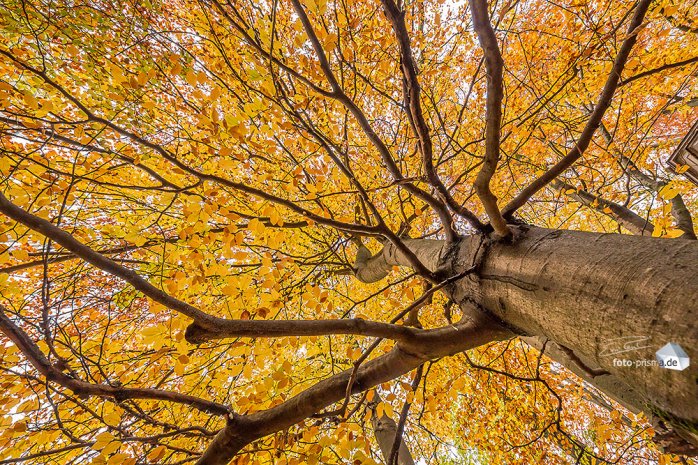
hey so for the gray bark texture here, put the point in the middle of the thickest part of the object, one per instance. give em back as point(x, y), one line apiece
point(384, 430)
point(579, 291)
point(582, 292)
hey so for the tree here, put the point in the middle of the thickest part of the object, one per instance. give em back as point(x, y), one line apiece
point(325, 232)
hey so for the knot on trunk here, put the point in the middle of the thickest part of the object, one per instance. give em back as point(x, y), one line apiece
point(196, 334)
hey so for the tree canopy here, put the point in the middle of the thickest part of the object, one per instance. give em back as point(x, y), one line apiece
point(195, 195)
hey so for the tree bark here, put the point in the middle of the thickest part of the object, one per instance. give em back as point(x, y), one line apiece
point(241, 430)
point(384, 430)
point(583, 291)
point(374, 268)
point(623, 215)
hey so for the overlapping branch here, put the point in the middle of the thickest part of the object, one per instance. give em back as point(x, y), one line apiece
point(414, 347)
point(373, 137)
point(67, 256)
point(39, 361)
point(603, 103)
point(658, 69)
point(165, 154)
point(241, 430)
point(413, 108)
point(682, 217)
point(623, 215)
point(494, 64)
point(205, 326)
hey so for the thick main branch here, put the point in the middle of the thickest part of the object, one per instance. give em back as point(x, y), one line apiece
point(371, 268)
point(242, 430)
point(494, 64)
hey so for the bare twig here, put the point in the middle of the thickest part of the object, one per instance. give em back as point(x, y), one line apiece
point(37, 359)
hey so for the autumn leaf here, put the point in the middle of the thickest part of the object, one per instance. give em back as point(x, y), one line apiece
point(260, 232)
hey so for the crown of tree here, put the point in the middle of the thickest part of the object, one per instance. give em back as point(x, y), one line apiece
point(366, 231)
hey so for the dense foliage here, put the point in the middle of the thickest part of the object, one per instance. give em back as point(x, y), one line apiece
point(205, 146)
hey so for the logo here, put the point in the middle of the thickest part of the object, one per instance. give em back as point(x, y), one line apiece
point(673, 357)
point(620, 345)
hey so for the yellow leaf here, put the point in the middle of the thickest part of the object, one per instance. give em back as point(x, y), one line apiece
point(673, 233)
point(191, 78)
point(20, 254)
point(136, 238)
point(112, 418)
point(20, 426)
point(72, 50)
point(117, 459)
point(230, 290)
point(256, 226)
point(157, 453)
point(111, 447)
point(31, 101)
point(179, 368)
point(238, 131)
point(668, 192)
point(102, 440)
point(388, 408)
point(670, 10)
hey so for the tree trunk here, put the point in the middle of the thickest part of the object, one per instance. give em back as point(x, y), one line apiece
point(583, 291)
point(384, 430)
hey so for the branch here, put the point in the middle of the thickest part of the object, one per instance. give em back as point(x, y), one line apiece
point(37, 359)
point(410, 311)
point(604, 102)
point(415, 115)
point(410, 353)
point(242, 430)
point(376, 141)
point(151, 243)
point(398, 444)
point(681, 214)
point(205, 326)
point(51, 134)
point(606, 383)
point(623, 215)
point(370, 269)
point(272, 328)
point(280, 328)
point(267, 55)
point(493, 120)
point(242, 187)
point(385, 430)
point(98, 260)
point(658, 69)
point(682, 218)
